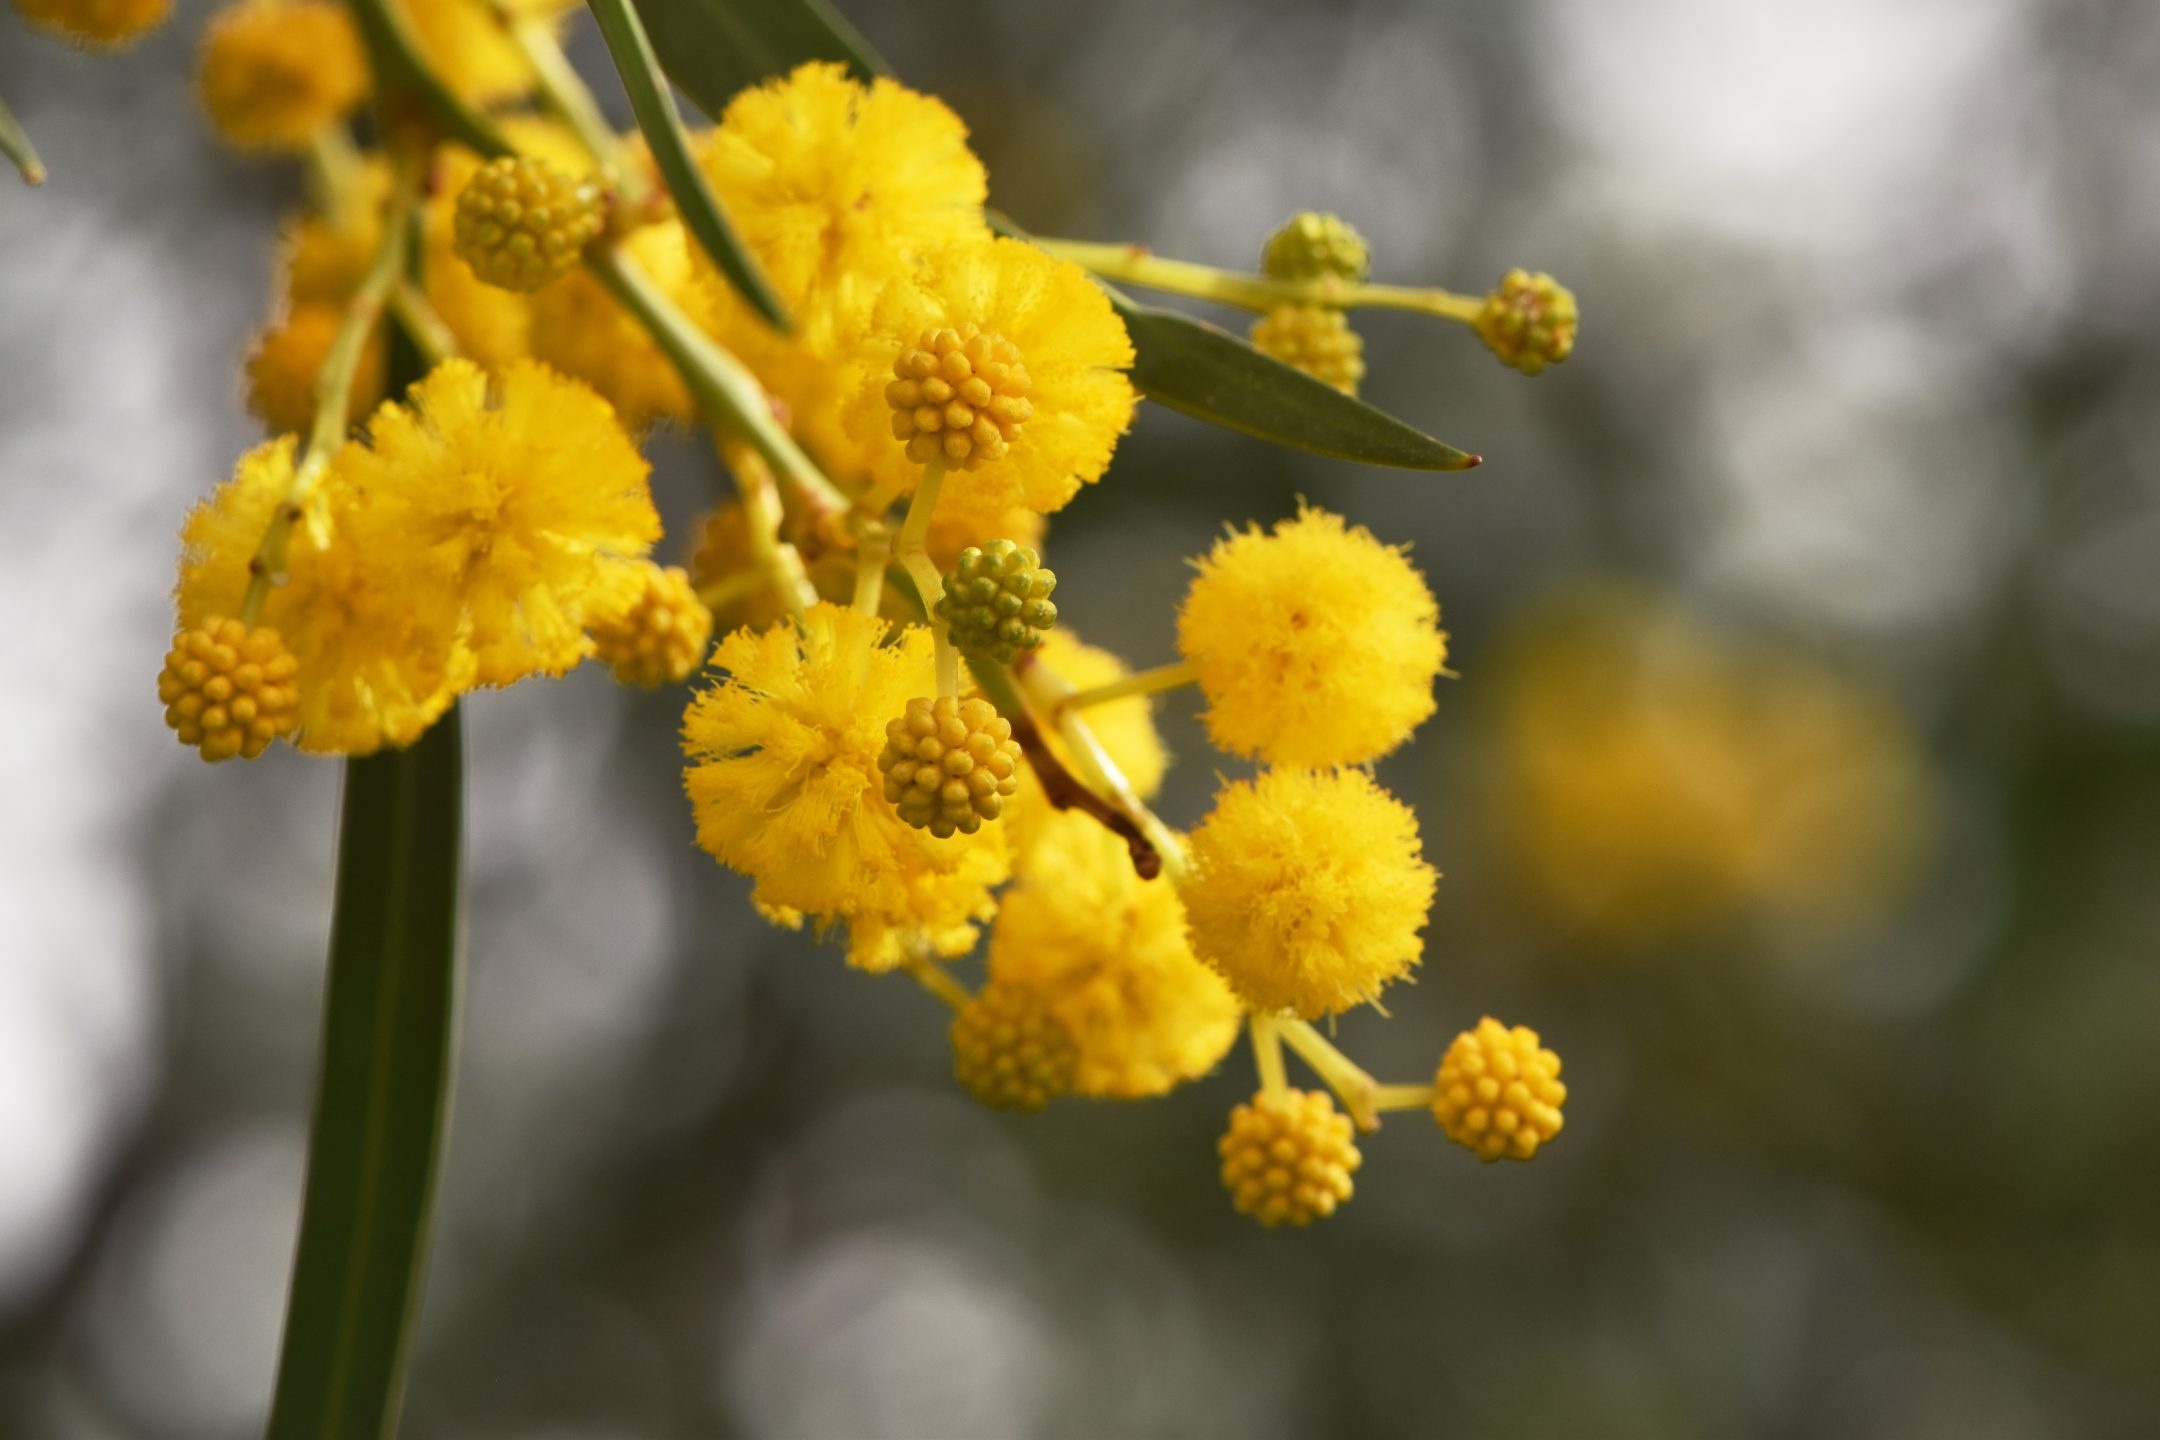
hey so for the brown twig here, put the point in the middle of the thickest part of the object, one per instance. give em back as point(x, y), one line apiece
point(1067, 793)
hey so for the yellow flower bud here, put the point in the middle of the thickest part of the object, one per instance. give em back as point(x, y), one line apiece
point(521, 223)
point(1009, 1050)
point(229, 690)
point(1311, 245)
point(1499, 1091)
point(949, 764)
point(1316, 339)
point(661, 639)
point(959, 396)
point(1288, 1156)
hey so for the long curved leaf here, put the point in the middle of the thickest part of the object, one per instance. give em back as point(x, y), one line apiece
point(388, 1022)
point(404, 82)
point(713, 48)
point(1210, 374)
point(654, 107)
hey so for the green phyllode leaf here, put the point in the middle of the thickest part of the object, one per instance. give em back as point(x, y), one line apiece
point(654, 106)
point(715, 48)
point(389, 1019)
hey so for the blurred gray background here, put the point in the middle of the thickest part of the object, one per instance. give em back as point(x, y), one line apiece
point(1865, 375)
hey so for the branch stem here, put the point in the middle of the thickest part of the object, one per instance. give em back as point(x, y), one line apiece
point(1344, 1076)
point(1136, 265)
point(1144, 682)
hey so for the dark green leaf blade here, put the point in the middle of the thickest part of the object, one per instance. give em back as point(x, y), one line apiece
point(714, 48)
point(388, 1022)
point(654, 107)
point(1195, 368)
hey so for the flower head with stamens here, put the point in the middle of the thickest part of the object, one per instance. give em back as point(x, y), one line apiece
point(275, 73)
point(1001, 361)
point(783, 776)
point(1308, 890)
point(525, 498)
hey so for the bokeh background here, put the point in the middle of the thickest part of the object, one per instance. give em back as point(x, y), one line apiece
point(1801, 785)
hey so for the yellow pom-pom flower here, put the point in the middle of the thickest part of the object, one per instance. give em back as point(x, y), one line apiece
point(1316, 339)
point(522, 223)
point(1312, 245)
point(1288, 1156)
point(661, 638)
point(282, 367)
point(276, 73)
point(1308, 890)
point(1108, 954)
point(1010, 1051)
point(228, 690)
point(581, 330)
point(1031, 443)
point(1529, 321)
point(829, 180)
point(375, 668)
point(525, 500)
point(949, 764)
point(1315, 645)
point(1499, 1091)
point(783, 776)
point(470, 49)
point(105, 23)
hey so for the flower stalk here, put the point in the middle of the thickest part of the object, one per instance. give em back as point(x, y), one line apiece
point(1137, 265)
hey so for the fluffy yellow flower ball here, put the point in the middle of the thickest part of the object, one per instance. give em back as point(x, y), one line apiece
point(373, 668)
point(104, 23)
point(783, 777)
point(1055, 322)
point(1108, 953)
point(1315, 645)
point(829, 180)
point(1499, 1091)
point(1308, 890)
point(1288, 1157)
point(276, 73)
point(524, 499)
point(581, 330)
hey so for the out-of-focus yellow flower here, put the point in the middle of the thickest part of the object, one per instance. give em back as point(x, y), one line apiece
point(1498, 1091)
point(276, 73)
point(721, 557)
point(287, 357)
point(660, 639)
point(1108, 953)
point(521, 223)
point(1529, 321)
point(1058, 325)
point(784, 780)
point(1010, 1051)
point(578, 328)
point(465, 44)
point(1316, 339)
point(1651, 783)
point(523, 498)
point(1308, 890)
point(374, 669)
point(1315, 645)
point(104, 23)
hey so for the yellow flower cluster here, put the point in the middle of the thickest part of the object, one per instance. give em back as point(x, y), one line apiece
point(1499, 1092)
point(105, 23)
point(1009, 1051)
point(1288, 1157)
point(276, 73)
point(1316, 339)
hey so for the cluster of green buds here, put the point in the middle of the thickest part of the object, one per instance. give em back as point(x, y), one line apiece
point(997, 601)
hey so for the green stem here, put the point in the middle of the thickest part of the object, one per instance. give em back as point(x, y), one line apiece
point(727, 394)
point(1404, 1097)
point(15, 144)
point(563, 91)
point(1344, 1076)
point(1134, 265)
point(938, 981)
point(422, 325)
point(914, 553)
point(333, 393)
point(389, 1021)
point(1144, 682)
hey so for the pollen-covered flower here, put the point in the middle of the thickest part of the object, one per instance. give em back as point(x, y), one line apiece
point(1315, 645)
point(523, 497)
point(1010, 1050)
point(372, 668)
point(1308, 890)
point(1038, 339)
point(783, 776)
point(282, 367)
point(829, 179)
point(661, 638)
point(276, 73)
point(1499, 1092)
point(1108, 954)
point(105, 23)
point(1288, 1157)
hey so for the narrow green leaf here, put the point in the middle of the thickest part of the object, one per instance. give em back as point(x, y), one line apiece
point(388, 1021)
point(654, 106)
point(1210, 374)
point(16, 146)
point(405, 82)
point(714, 48)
